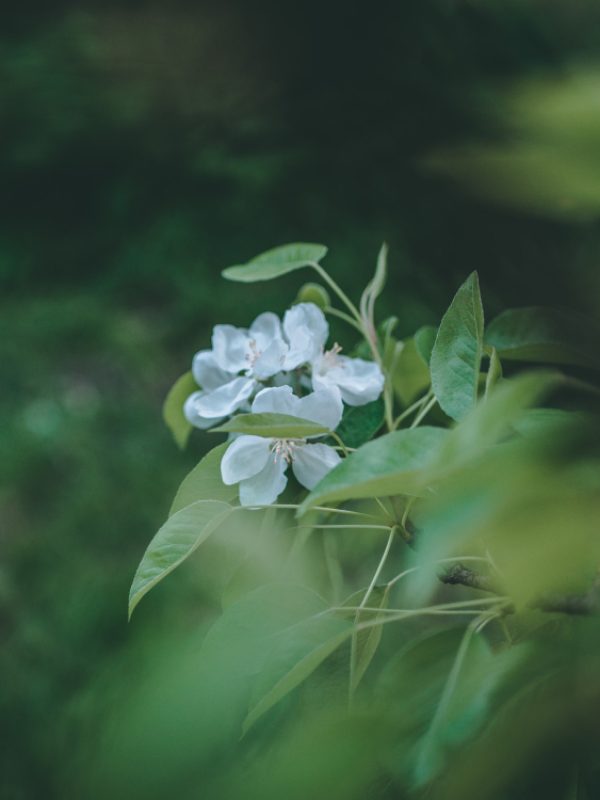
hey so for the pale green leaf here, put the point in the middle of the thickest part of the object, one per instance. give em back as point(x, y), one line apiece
point(424, 341)
point(276, 426)
point(410, 373)
point(393, 464)
point(457, 351)
point(204, 482)
point(314, 293)
point(173, 408)
point(175, 541)
point(547, 335)
point(276, 262)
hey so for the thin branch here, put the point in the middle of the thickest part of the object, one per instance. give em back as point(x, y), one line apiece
point(551, 602)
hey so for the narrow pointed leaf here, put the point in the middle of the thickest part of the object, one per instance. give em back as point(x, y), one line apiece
point(276, 262)
point(494, 372)
point(368, 640)
point(456, 355)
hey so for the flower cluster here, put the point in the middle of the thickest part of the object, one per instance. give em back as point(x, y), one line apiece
point(241, 362)
point(257, 370)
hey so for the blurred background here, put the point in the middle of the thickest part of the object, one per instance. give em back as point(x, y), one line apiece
point(146, 146)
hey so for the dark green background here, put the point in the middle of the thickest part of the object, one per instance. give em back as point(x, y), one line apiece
point(144, 148)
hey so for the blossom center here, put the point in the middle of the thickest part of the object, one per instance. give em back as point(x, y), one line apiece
point(330, 358)
point(254, 353)
point(284, 448)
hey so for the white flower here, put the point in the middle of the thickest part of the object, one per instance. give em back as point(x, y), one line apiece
point(359, 381)
point(259, 464)
point(258, 352)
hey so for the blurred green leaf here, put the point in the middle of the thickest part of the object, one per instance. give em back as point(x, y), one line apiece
point(367, 641)
point(489, 422)
point(456, 355)
point(173, 408)
point(175, 541)
point(360, 423)
point(410, 373)
point(424, 341)
point(548, 335)
point(276, 262)
point(390, 465)
point(204, 482)
point(277, 426)
point(294, 677)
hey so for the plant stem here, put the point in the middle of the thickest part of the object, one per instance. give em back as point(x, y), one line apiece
point(407, 412)
point(374, 579)
point(342, 315)
point(423, 413)
point(339, 291)
point(345, 527)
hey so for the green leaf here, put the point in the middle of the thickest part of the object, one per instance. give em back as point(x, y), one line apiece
point(314, 293)
point(494, 372)
point(204, 482)
point(367, 641)
point(393, 464)
point(491, 421)
point(175, 541)
point(276, 262)
point(456, 355)
point(173, 408)
point(537, 421)
point(424, 341)
point(294, 677)
point(547, 335)
point(277, 426)
point(410, 374)
point(360, 423)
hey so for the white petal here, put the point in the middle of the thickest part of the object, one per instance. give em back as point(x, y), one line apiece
point(265, 487)
point(245, 457)
point(271, 359)
point(306, 330)
point(207, 372)
point(359, 381)
point(312, 462)
point(265, 328)
point(194, 417)
point(278, 400)
point(226, 399)
point(323, 406)
point(231, 348)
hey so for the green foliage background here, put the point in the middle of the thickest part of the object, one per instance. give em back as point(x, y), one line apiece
point(145, 147)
